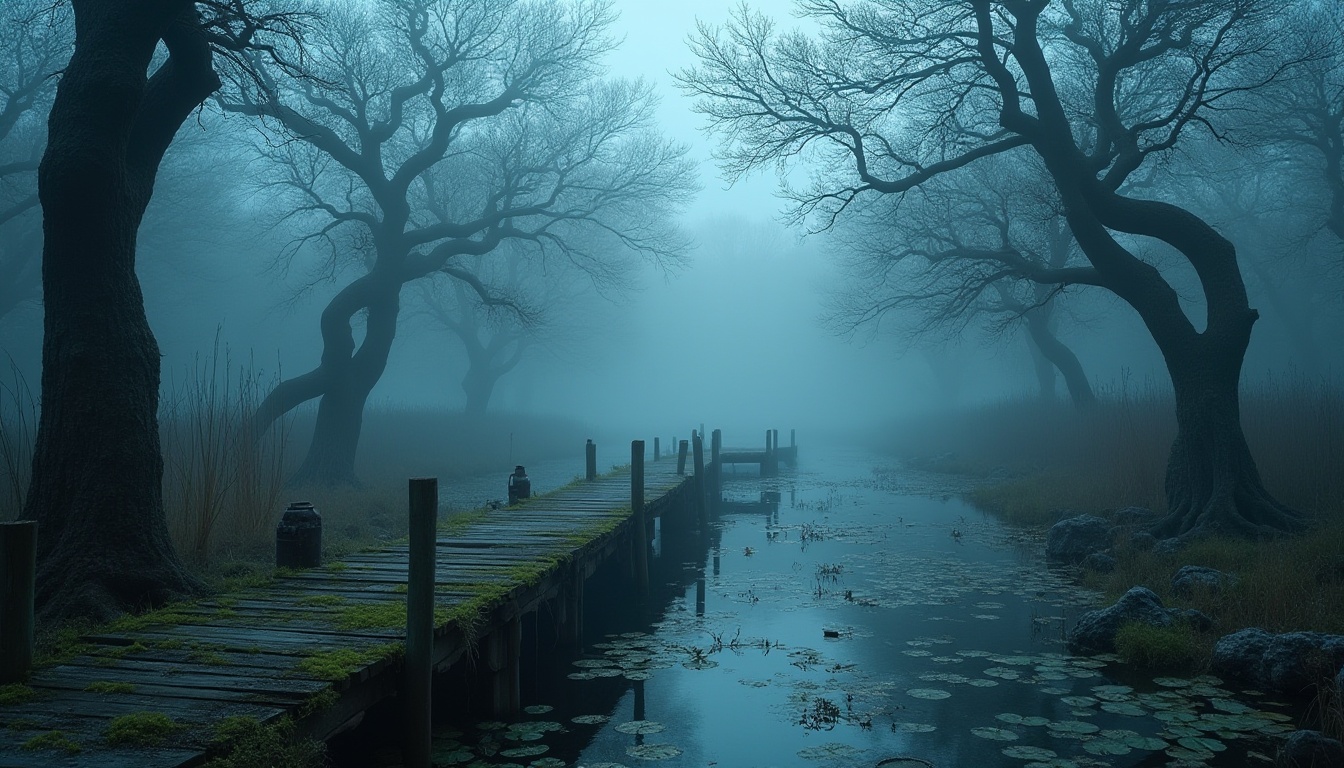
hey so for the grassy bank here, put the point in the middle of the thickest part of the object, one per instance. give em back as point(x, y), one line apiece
point(1042, 460)
point(1039, 461)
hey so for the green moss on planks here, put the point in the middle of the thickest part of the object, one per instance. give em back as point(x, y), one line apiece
point(141, 729)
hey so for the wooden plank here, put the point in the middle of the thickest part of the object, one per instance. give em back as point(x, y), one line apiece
point(238, 654)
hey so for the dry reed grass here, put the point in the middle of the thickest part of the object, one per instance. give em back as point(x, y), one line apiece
point(222, 481)
point(1047, 457)
point(224, 487)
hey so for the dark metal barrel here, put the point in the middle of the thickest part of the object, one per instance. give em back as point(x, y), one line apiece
point(520, 487)
point(298, 537)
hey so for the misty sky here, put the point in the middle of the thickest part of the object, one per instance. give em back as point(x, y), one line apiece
point(733, 340)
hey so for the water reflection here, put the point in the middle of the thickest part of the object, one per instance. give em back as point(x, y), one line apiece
point(857, 623)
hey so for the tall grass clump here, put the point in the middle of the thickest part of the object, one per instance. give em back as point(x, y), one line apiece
point(222, 480)
point(18, 430)
point(1165, 648)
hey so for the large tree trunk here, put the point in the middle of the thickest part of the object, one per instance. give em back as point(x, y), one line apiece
point(340, 417)
point(1046, 376)
point(479, 384)
point(1212, 483)
point(348, 376)
point(1062, 358)
point(103, 543)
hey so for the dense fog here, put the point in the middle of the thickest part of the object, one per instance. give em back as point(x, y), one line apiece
point(736, 333)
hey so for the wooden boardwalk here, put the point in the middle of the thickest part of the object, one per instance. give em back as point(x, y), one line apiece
point(323, 645)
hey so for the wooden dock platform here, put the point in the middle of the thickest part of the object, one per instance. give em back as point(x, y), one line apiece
point(321, 646)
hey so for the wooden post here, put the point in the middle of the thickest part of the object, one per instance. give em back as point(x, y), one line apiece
point(793, 438)
point(716, 470)
point(681, 457)
point(590, 457)
point(18, 568)
point(769, 449)
point(639, 535)
point(774, 458)
point(657, 449)
point(424, 496)
point(700, 486)
point(504, 649)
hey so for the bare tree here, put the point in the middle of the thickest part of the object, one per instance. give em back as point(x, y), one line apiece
point(892, 95)
point(1305, 111)
point(97, 467)
point(494, 338)
point(35, 43)
point(967, 248)
point(435, 130)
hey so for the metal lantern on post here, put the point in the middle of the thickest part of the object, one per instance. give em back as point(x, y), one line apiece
point(520, 487)
point(298, 537)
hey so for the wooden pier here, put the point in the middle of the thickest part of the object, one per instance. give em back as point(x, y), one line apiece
point(768, 458)
point(321, 646)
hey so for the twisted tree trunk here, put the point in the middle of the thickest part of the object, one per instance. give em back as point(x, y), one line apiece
point(1058, 354)
point(346, 377)
point(1212, 483)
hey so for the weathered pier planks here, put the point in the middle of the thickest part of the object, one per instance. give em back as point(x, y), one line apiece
point(323, 645)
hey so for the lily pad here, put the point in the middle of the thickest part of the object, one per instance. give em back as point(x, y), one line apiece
point(526, 750)
point(589, 719)
point(538, 709)
point(994, 734)
point(1023, 752)
point(641, 726)
point(932, 694)
point(653, 751)
point(829, 751)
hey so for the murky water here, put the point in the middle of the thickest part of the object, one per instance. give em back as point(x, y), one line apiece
point(869, 615)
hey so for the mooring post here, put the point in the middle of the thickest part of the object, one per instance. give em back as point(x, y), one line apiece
point(639, 537)
point(681, 457)
point(769, 449)
point(18, 568)
point(590, 458)
point(702, 511)
point(774, 458)
point(424, 497)
point(657, 449)
point(715, 470)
